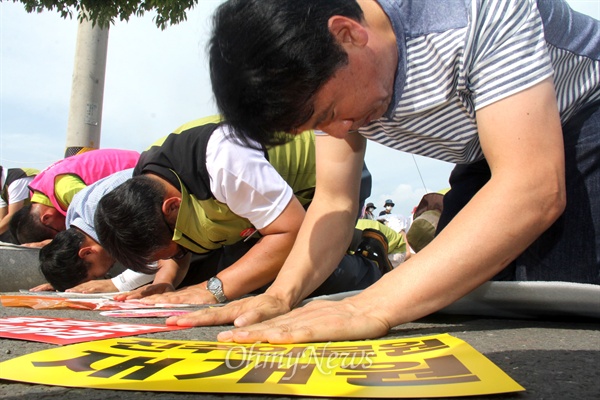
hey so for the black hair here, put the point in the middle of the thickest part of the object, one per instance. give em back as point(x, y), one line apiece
point(26, 227)
point(268, 58)
point(60, 262)
point(130, 224)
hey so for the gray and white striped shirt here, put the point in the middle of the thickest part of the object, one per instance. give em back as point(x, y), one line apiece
point(457, 56)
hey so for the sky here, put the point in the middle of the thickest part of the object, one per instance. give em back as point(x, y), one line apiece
point(155, 81)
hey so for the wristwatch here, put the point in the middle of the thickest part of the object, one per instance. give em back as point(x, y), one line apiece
point(215, 286)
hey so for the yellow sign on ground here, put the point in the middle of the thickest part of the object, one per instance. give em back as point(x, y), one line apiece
point(432, 366)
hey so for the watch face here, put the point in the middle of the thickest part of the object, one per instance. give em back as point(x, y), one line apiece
point(215, 286)
point(213, 283)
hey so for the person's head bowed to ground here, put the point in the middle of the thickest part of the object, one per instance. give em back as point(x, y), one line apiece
point(498, 88)
point(53, 189)
point(14, 195)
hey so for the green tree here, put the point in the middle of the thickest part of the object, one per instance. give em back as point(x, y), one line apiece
point(104, 12)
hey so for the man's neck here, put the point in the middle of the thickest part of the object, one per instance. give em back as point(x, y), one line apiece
point(377, 20)
point(382, 38)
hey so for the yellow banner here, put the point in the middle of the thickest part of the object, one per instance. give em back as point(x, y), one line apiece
point(432, 366)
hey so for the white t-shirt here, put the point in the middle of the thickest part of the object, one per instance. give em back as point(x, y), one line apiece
point(129, 280)
point(17, 190)
point(242, 178)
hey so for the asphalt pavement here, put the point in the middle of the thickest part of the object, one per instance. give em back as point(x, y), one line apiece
point(551, 359)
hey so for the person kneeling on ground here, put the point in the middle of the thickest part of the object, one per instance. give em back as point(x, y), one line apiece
point(500, 85)
point(54, 188)
point(14, 195)
point(74, 260)
point(199, 189)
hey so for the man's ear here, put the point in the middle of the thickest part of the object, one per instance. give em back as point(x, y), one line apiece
point(47, 214)
point(85, 251)
point(347, 31)
point(170, 207)
point(45, 218)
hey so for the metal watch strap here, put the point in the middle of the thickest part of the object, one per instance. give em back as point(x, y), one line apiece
point(215, 286)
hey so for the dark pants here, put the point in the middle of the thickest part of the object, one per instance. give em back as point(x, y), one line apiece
point(354, 272)
point(570, 249)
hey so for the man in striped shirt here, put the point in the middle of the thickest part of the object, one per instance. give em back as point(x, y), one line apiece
point(509, 90)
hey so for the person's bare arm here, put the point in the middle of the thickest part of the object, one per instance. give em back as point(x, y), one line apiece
point(522, 140)
point(317, 252)
point(37, 244)
point(9, 212)
point(168, 276)
point(256, 268)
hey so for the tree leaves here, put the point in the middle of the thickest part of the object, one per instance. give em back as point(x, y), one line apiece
point(105, 12)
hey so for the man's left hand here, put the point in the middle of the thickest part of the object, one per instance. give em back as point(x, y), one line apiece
point(196, 294)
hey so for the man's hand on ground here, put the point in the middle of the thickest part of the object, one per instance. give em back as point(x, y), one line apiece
point(44, 287)
point(196, 294)
point(318, 321)
point(94, 286)
point(146, 291)
point(241, 312)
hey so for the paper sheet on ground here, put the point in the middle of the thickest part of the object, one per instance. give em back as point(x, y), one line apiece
point(106, 295)
point(89, 295)
point(145, 313)
point(430, 366)
point(81, 303)
point(521, 300)
point(68, 331)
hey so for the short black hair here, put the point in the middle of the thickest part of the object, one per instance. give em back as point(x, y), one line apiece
point(26, 227)
point(60, 262)
point(130, 224)
point(268, 58)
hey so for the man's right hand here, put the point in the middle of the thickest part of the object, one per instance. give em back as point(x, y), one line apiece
point(247, 311)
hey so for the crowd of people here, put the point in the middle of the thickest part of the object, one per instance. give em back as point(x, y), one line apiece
point(196, 211)
point(425, 216)
point(58, 206)
point(507, 90)
point(501, 88)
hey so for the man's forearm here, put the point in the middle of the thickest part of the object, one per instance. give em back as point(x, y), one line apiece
point(322, 242)
point(258, 267)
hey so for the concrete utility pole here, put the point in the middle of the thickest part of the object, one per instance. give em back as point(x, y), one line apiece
point(87, 90)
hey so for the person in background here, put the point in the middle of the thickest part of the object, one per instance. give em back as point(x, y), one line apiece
point(387, 208)
point(14, 195)
point(368, 214)
point(425, 220)
point(509, 90)
point(398, 248)
point(397, 222)
point(54, 188)
point(74, 261)
point(75, 255)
